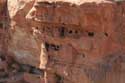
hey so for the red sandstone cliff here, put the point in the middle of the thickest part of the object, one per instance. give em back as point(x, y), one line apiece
point(55, 41)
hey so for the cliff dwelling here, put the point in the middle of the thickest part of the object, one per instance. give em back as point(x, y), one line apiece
point(62, 41)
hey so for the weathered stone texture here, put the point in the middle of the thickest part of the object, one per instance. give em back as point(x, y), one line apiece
point(70, 41)
point(3, 21)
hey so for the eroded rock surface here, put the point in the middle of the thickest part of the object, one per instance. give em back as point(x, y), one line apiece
point(55, 41)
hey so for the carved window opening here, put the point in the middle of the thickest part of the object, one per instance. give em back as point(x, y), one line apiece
point(62, 32)
point(91, 34)
point(106, 34)
point(52, 47)
point(47, 46)
point(70, 32)
point(55, 47)
point(74, 33)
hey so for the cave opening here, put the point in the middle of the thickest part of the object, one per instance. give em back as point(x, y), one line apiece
point(91, 34)
point(62, 31)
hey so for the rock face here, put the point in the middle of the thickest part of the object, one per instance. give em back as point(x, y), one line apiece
point(55, 41)
point(3, 24)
